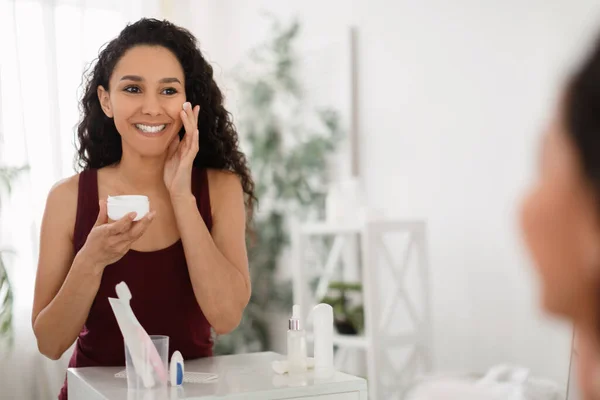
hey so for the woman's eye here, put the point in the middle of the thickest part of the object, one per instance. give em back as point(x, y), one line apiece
point(132, 89)
point(170, 91)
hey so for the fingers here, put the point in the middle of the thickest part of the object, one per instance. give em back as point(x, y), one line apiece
point(196, 142)
point(122, 225)
point(189, 117)
point(139, 227)
point(102, 214)
point(173, 147)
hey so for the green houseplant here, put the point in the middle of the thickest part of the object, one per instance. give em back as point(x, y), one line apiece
point(348, 317)
point(288, 155)
point(7, 177)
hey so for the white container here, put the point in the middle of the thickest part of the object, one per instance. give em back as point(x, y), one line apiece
point(176, 369)
point(119, 206)
point(322, 316)
point(296, 344)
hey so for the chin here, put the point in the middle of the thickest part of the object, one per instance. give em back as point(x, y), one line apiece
point(551, 303)
point(147, 148)
point(548, 306)
point(154, 153)
point(559, 306)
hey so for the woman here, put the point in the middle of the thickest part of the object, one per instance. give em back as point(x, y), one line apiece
point(153, 123)
point(561, 216)
point(561, 225)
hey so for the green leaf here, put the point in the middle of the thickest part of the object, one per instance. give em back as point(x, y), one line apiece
point(346, 286)
point(7, 177)
point(6, 304)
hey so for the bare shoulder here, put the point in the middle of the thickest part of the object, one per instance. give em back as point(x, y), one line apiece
point(225, 189)
point(61, 204)
point(223, 182)
point(65, 191)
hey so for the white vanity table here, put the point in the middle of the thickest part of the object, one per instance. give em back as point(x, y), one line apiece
point(244, 376)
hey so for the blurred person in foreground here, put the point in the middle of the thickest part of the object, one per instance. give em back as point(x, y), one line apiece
point(560, 219)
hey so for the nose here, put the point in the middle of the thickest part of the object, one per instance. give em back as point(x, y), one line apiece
point(151, 105)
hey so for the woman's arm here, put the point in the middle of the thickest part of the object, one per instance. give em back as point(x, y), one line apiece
point(65, 286)
point(217, 260)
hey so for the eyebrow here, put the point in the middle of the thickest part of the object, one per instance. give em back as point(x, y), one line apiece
point(137, 78)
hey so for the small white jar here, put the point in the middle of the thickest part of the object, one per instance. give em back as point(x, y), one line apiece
point(119, 206)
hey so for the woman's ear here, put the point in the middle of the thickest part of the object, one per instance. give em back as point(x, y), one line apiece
point(104, 99)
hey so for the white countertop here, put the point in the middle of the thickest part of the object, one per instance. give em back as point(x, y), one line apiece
point(243, 376)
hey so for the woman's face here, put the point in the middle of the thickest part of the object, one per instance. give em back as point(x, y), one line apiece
point(560, 224)
point(147, 92)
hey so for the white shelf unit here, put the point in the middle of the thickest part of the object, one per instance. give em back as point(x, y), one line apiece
point(386, 379)
point(351, 341)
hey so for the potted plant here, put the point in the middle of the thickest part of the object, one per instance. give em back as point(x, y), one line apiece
point(348, 317)
point(287, 156)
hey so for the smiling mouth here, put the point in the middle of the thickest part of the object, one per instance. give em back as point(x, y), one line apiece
point(150, 129)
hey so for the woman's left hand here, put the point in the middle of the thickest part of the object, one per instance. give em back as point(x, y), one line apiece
point(181, 153)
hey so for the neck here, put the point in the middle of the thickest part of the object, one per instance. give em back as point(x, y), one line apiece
point(143, 174)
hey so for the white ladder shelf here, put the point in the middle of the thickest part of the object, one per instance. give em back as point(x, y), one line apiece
point(386, 379)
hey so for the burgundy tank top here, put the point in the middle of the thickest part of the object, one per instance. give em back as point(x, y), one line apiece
point(162, 295)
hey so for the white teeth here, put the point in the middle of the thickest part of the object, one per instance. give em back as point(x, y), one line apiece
point(149, 128)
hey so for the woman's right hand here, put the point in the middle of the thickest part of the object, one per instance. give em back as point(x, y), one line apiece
point(108, 242)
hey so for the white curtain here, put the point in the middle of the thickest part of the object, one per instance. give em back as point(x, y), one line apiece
point(44, 47)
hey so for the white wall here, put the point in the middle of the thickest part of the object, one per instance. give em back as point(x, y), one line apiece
point(453, 95)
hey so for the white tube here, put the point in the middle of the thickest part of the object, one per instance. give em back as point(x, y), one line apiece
point(322, 316)
point(146, 359)
point(131, 338)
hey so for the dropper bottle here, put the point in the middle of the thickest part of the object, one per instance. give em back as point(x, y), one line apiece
point(296, 343)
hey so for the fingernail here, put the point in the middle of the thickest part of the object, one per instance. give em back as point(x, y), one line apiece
point(132, 215)
point(186, 105)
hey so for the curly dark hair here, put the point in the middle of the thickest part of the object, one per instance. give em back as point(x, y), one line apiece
point(99, 143)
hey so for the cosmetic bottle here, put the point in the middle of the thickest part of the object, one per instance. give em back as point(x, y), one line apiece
point(296, 343)
point(322, 317)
